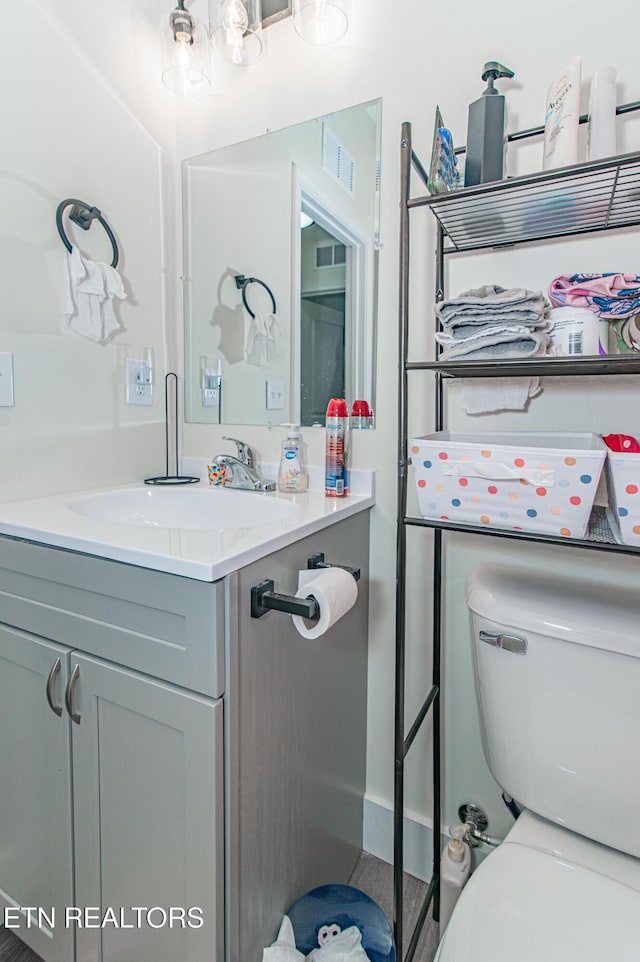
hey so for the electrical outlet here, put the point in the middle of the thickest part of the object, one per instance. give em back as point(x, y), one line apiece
point(275, 395)
point(211, 388)
point(139, 382)
point(6, 380)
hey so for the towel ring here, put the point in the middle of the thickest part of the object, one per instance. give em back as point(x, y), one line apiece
point(243, 282)
point(83, 214)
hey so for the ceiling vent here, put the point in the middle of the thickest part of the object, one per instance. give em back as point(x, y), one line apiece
point(337, 161)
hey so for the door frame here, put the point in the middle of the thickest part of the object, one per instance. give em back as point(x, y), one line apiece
point(308, 196)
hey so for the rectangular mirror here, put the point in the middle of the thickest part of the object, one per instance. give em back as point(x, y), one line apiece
point(280, 279)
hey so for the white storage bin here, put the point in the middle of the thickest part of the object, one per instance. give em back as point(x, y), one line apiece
point(623, 479)
point(543, 482)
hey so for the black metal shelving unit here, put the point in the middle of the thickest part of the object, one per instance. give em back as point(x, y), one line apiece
point(596, 196)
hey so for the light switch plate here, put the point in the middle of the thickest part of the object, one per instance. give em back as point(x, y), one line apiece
point(275, 395)
point(6, 380)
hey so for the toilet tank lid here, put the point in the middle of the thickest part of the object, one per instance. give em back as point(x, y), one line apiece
point(577, 611)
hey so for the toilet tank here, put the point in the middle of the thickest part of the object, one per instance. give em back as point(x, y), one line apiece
point(557, 670)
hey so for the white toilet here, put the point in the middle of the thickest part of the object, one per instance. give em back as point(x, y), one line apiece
point(557, 669)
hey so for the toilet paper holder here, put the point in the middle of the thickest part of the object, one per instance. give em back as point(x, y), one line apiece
point(264, 598)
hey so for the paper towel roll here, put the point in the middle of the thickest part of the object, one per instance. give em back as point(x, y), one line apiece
point(336, 592)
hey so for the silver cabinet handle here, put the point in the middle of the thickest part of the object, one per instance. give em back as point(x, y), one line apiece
point(512, 643)
point(51, 682)
point(68, 695)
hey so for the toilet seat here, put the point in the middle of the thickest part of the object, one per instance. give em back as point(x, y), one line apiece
point(530, 904)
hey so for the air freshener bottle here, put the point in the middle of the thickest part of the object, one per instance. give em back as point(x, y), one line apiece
point(361, 415)
point(292, 474)
point(336, 482)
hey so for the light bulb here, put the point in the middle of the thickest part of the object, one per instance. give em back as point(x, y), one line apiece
point(235, 21)
point(183, 63)
point(186, 54)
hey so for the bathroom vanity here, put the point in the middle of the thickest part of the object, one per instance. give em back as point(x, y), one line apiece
point(176, 772)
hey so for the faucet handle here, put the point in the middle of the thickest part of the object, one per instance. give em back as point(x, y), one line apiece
point(245, 452)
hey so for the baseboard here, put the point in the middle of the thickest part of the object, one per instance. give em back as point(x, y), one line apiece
point(377, 837)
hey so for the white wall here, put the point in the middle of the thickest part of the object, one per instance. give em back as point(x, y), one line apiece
point(404, 53)
point(80, 121)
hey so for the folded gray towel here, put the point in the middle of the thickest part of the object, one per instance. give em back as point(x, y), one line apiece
point(471, 332)
point(492, 304)
point(502, 346)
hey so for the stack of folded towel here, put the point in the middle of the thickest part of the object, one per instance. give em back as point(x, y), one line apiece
point(491, 322)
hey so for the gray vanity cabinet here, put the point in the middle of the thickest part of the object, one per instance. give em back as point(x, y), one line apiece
point(147, 801)
point(181, 755)
point(36, 831)
point(111, 793)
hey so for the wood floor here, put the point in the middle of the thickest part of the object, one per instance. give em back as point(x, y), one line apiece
point(375, 877)
point(370, 875)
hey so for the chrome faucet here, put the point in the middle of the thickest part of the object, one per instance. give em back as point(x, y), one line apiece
point(241, 471)
point(245, 453)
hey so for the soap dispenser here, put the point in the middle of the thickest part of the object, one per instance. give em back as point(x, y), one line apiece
point(487, 131)
point(292, 474)
point(455, 869)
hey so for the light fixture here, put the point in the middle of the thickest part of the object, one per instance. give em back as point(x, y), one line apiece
point(235, 32)
point(236, 27)
point(187, 53)
point(305, 220)
point(320, 21)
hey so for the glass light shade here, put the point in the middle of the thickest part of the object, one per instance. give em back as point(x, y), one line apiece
point(187, 60)
point(237, 30)
point(320, 21)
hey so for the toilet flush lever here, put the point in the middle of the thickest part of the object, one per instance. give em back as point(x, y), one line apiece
point(512, 643)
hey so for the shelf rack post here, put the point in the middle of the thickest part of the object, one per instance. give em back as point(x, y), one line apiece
point(403, 743)
point(583, 199)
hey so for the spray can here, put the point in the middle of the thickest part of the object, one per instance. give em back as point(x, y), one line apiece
point(336, 478)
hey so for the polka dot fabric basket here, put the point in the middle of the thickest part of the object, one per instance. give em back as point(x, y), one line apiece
point(623, 476)
point(544, 482)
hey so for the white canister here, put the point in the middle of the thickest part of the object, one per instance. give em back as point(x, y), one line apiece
point(578, 332)
point(601, 129)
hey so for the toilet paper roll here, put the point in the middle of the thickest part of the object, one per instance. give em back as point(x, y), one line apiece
point(336, 592)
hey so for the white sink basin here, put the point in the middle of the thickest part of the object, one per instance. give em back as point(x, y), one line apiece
point(179, 507)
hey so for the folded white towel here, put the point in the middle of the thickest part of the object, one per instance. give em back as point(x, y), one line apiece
point(488, 395)
point(90, 289)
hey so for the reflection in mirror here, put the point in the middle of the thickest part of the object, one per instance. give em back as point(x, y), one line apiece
point(281, 240)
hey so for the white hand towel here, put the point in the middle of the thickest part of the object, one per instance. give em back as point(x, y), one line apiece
point(488, 395)
point(113, 287)
point(262, 340)
point(90, 289)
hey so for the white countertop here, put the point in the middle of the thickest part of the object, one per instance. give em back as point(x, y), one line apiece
point(205, 555)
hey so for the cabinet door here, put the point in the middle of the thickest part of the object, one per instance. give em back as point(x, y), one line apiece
point(35, 793)
point(147, 789)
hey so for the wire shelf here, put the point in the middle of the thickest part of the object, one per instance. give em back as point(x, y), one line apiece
point(590, 542)
point(531, 367)
point(596, 196)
